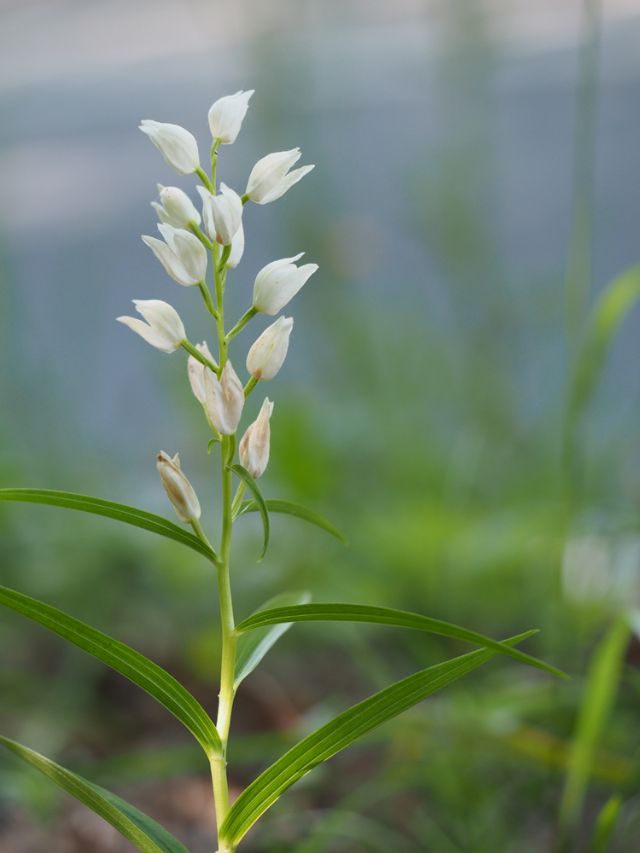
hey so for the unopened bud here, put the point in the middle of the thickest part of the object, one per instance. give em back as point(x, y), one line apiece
point(268, 352)
point(270, 178)
point(224, 398)
point(226, 116)
point(164, 328)
point(178, 147)
point(178, 488)
point(278, 282)
point(183, 256)
point(175, 207)
point(255, 443)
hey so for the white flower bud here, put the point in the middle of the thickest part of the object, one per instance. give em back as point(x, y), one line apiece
point(255, 443)
point(222, 213)
point(237, 248)
point(183, 256)
point(179, 490)
point(195, 371)
point(267, 354)
point(175, 207)
point(178, 147)
point(224, 398)
point(270, 178)
point(226, 116)
point(163, 329)
point(278, 282)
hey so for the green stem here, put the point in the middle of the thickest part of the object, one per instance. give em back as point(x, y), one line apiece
point(214, 162)
point(208, 301)
point(242, 322)
point(251, 384)
point(189, 347)
point(206, 242)
point(206, 180)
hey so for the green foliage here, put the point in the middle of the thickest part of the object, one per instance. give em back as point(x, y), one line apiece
point(384, 616)
point(147, 835)
point(253, 646)
point(261, 506)
point(119, 512)
point(597, 701)
point(297, 511)
point(125, 660)
point(606, 824)
point(340, 733)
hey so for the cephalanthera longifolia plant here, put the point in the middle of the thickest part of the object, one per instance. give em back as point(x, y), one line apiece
point(197, 247)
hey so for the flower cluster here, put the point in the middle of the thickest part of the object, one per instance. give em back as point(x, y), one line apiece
point(193, 241)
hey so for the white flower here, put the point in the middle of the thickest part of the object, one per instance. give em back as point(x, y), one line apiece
point(227, 114)
point(175, 207)
point(278, 282)
point(222, 213)
point(183, 256)
point(270, 178)
point(224, 398)
point(195, 371)
point(237, 248)
point(163, 329)
point(179, 490)
point(267, 354)
point(178, 147)
point(254, 446)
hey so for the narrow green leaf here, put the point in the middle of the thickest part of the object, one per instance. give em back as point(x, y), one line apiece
point(261, 505)
point(615, 302)
point(385, 616)
point(340, 733)
point(606, 824)
point(598, 698)
point(147, 835)
point(289, 508)
point(253, 646)
point(125, 660)
point(120, 512)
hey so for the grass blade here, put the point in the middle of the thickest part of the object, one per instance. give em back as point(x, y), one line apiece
point(289, 508)
point(597, 701)
point(254, 645)
point(261, 505)
point(340, 733)
point(385, 616)
point(147, 835)
point(117, 511)
point(136, 667)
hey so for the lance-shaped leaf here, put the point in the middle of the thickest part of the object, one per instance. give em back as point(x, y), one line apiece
point(120, 512)
point(385, 616)
point(340, 733)
point(289, 508)
point(251, 484)
point(603, 679)
point(254, 645)
point(147, 835)
point(125, 660)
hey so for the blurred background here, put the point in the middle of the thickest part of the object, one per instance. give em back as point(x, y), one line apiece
point(461, 396)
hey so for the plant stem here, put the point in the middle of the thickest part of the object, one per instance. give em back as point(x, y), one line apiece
point(227, 623)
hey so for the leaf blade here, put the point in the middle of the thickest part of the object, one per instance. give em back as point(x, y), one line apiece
point(297, 511)
point(341, 732)
point(251, 484)
point(253, 646)
point(144, 832)
point(605, 669)
point(110, 509)
point(127, 661)
point(335, 612)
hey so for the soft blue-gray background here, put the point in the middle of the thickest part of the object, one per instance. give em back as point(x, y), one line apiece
point(421, 404)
